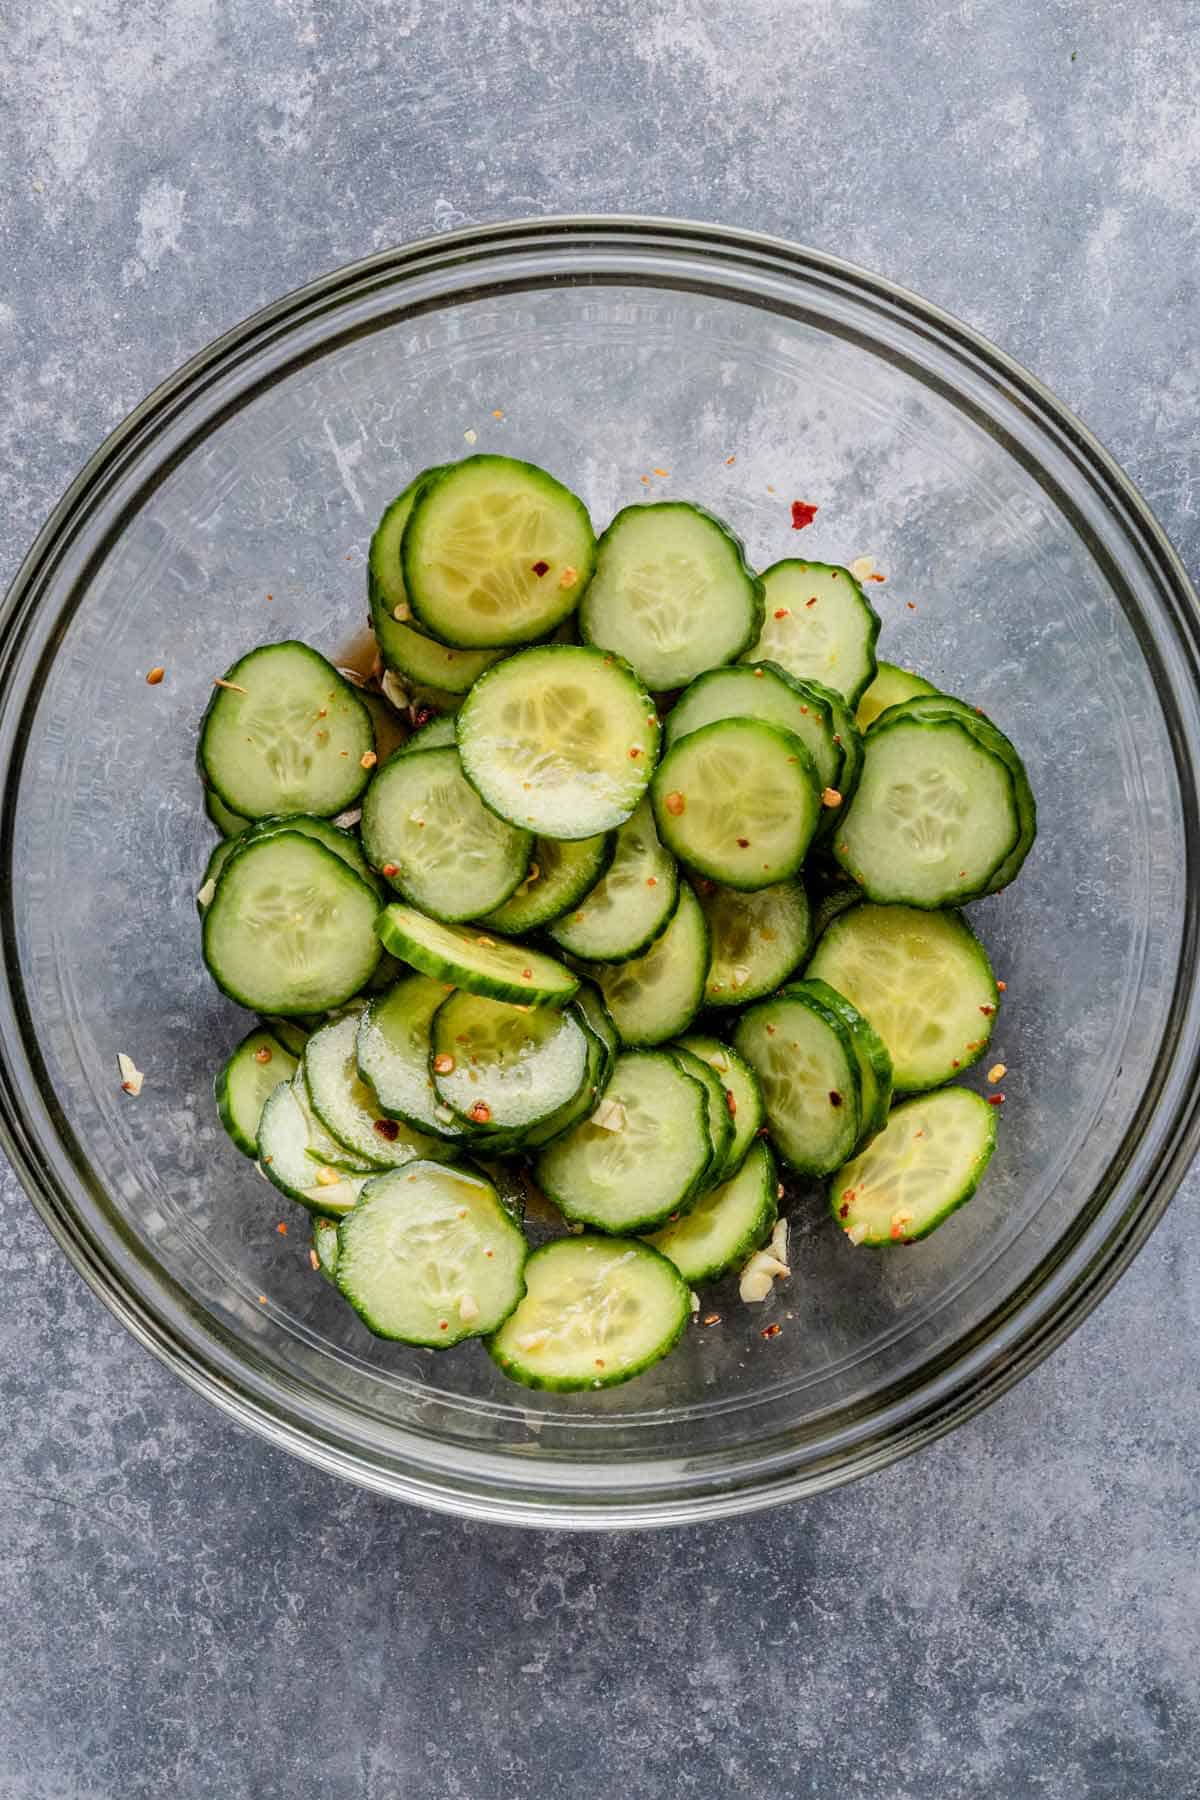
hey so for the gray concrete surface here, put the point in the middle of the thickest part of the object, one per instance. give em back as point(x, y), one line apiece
point(182, 1611)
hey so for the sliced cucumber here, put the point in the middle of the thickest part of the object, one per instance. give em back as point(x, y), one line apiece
point(818, 622)
point(738, 801)
point(393, 1051)
point(597, 1073)
point(560, 874)
point(805, 1060)
point(430, 1256)
point(428, 833)
point(935, 815)
point(874, 1063)
point(761, 691)
point(757, 939)
point(561, 739)
point(286, 1132)
point(291, 928)
point(325, 1248)
point(644, 1154)
point(672, 593)
point(837, 897)
point(924, 981)
point(891, 686)
point(285, 733)
point(495, 552)
point(916, 1173)
point(346, 1106)
point(505, 1067)
point(227, 823)
point(343, 843)
point(411, 653)
point(247, 1081)
point(656, 996)
point(595, 1313)
point(743, 1096)
point(598, 1019)
point(719, 1117)
point(292, 1034)
point(474, 960)
point(435, 734)
point(631, 905)
point(848, 739)
point(727, 1224)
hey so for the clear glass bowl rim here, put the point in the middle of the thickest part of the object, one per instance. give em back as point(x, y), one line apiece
point(1078, 1272)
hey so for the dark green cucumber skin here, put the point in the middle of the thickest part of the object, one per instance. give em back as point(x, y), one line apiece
point(247, 1146)
point(396, 941)
point(566, 899)
point(965, 1193)
point(871, 1048)
point(643, 944)
point(693, 1065)
point(874, 622)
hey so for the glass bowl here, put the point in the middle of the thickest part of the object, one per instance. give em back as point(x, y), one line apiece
point(235, 506)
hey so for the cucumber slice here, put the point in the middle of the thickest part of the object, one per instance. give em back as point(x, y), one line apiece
point(247, 1081)
point(427, 831)
point(393, 1051)
point(848, 739)
point(719, 1117)
point(286, 1132)
point(409, 652)
point(656, 996)
point(346, 1107)
point(805, 1060)
point(836, 899)
point(818, 622)
point(935, 816)
point(644, 1154)
point(343, 843)
point(495, 552)
point(874, 1063)
point(227, 823)
point(560, 874)
point(475, 961)
point(925, 1166)
point(286, 734)
point(325, 1248)
point(291, 928)
point(924, 981)
point(891, 686)
point(623, 914)
point(437, 734)
point(761, 691)
point(291, 1034)
point(739, 801)
point(727, 1224)
point(561, 739)
point(757, 939)
point(595, 1313)
point(430, 1256)
point(743, 1096)
point(672, 593)
point(598, 1020)
point(583, 1102)
point(505, 1067)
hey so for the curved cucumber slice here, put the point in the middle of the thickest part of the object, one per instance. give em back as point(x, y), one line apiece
point(291, 928)
point(285, 733)
point(891, 686)
point(595, 1313)
point(818, 622)
point(804, 1058)
point(561, 739)
point(495, 552)
point(598, 1020)
point(719, 1117)
point(738, 800)
point(727, 1224)
point(342, 843)
point(656, 996)
point(761, 691)
point(743, 1096)
point(643, 1154)
point(623, 914)
point(426, 830)
point(246, 1083)
point(925, 1165)
point(430, 1256)
point(560, 874)
point(874, 1063)
point(505, 1067)
point(672, 593)
point(287, 1133)
point(924, 981)
point(293, 1034)
point(345, 1105)
point(325, 1248)
point(393, 1051)
point(475, 961)
point(757, 939)
point(935, 816)
point(221, 853)
point(227, 823)
point(597, 1072)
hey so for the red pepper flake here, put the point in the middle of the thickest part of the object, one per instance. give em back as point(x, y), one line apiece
point(390, 869)
point(911, 605)
point(802, 514)
point(811, 602)
point(497, 413)
point(270, 596)
point(443, 1324)
point(770, 1031)
point(956, 1064)
point(995, 1099)
point(876, 577)
point(782, 612)
point(743, 843)
point(281, 1228)
point(599, 1362)
point(526, 974)
point(262, 1054)
point(770, 1331)
point(645, 480)
point(651, 881)
point(987, 1011)
point(844, 1210)
point(541, 568)
point(763, 1131)
point(262, 1299)
point(387, 1128)
point(663, 472)
point(711, 1319)
point(731, 1103)
point(835, 1099)
point(634, 752)
point(443, 1064)
point(1002, 986)
point(729, 461)
point(154, 676)
point(480, 1113)
point(675, 803)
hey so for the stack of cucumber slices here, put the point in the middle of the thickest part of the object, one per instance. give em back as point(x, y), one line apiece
point(662, 890)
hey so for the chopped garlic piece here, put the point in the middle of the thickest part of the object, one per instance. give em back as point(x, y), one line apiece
point(862, 567)
point(694, 1300)
point(856, 1233)
point(394, 690)
point(204, 897)
point(739, 978)
point(762, 1269)
point(347, 820)
point(779, 1240)
point(471, 436)
point(131, 1076)
point(609, 1116)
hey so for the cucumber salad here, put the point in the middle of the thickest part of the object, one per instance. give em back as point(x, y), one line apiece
point(657, 899)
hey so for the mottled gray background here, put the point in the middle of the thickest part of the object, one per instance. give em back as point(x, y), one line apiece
point(186, 1612)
